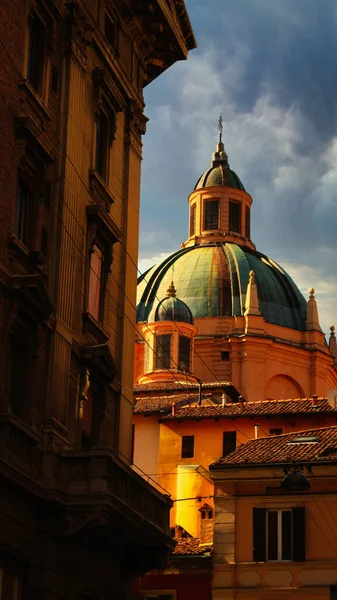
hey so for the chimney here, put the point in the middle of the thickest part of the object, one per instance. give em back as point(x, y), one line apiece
point(314, 400)
point(178, 534)
point(241, 401)
point(174, 409)
point(223, 400)
point(257, 426)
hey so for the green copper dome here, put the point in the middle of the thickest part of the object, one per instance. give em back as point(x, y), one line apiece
point(212, 280)
point(172, 309)
point(219, 176)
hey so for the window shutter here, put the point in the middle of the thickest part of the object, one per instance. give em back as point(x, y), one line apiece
point(299, 534)
point(259, 534)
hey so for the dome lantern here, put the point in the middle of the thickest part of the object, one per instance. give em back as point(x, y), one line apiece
point(219, 204)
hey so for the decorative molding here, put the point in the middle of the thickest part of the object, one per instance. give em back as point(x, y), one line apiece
point(31, 134)
point(99, 190)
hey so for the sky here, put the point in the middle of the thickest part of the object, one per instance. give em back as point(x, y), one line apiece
point(270, 68)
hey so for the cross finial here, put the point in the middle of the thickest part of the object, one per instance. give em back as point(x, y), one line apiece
point(220, 127)
point(171, 289)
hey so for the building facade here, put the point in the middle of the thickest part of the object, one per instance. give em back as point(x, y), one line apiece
point(228, 351)
point(76, 520)
point(275, 530)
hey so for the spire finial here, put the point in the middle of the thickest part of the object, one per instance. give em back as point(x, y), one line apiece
point(171, 290)
point(252, 299)
point(312, 320)
point(332, 343)
point(220, 128)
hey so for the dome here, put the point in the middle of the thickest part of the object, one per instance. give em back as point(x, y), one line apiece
point(219, 175)
point(172, 309)
point(212, 280)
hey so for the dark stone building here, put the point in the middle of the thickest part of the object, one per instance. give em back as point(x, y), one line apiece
point(76, 520)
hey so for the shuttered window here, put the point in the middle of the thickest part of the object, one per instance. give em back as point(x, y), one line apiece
point(279, 535)
point(187, 446)
point(229, 442)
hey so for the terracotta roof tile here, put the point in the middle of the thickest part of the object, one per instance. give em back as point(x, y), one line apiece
point(252, 409)
point(191, 547)
point(317, 445)
point(175, 386)
point(160, 404)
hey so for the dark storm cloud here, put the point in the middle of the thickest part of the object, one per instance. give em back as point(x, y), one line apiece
point(270, 67)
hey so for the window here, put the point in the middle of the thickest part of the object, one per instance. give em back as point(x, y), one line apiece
point(102, 144)
point(163, 351)
point(229, 442)
point(276, 431)
point(224, 355)
point(206, 514)
point(36, 53)
point(95, 296)
point(10, 585)
point(18, 371)
point(184, 353)
point(187, 446)
point(110, 29)
point(234, 216)
point(279, 534)
point(212, 214)
point(192, 219)
point(25, 217)
point(247, 222)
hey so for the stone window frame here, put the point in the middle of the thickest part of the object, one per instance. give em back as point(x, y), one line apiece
point(108, 102)
point(101, 234)
point(34, 155)
point(43, 13)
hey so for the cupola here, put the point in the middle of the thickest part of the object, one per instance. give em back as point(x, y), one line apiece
point(219, 204)
point(169, 338)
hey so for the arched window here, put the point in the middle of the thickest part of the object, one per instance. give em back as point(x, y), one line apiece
point(234, 216)
point(212, 214)
point(163, 351)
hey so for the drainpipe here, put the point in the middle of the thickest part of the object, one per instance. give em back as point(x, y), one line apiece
point(200, 394)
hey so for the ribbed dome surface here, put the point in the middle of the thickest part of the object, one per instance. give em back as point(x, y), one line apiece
point(171, 309)
point(219, 175)
point(212, 280)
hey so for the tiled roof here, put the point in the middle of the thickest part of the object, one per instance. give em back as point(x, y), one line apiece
point(175, 386)
point(191, 547)
point(314, 445)
point(252, 409)
point(157, 404)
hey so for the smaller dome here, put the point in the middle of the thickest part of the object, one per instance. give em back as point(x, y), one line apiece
point(173, 309)
point(219, 175)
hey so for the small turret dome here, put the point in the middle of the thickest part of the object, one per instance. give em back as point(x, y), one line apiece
point(219, 173)
point(219, 176)
point(173, 309)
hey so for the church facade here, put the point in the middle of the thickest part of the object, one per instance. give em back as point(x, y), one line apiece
point(227, 350)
